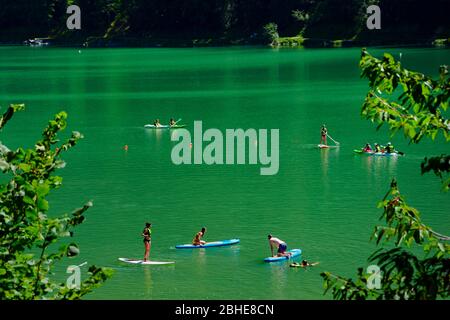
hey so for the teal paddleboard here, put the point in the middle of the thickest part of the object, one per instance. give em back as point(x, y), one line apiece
point(295, 253)
point(208, 244)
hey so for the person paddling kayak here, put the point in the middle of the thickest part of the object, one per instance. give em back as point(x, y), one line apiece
point(197, 241)
point(367, 148)
point(323, 134)
point(390, 148)
point(377, 148)
point(147, 234)
point(276, 243)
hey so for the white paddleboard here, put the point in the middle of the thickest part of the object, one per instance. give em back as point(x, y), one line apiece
point(323, 146)
point(136, 261)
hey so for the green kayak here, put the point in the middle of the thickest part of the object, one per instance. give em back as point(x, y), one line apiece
point(384, 154)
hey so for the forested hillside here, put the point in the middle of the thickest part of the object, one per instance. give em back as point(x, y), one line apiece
point(223, 21)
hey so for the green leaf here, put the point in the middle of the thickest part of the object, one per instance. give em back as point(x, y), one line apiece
point(24, 167)
point(42, 204)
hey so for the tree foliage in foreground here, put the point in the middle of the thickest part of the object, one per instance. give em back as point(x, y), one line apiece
point(419, 111)
point(26, 231)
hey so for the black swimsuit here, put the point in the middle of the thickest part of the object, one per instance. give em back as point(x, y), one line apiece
point(148, 236)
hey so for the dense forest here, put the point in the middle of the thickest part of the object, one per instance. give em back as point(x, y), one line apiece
point(218, 22)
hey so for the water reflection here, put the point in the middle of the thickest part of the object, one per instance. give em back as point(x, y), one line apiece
point(148, 282)
point(278, 277)
point(154, 133)
point(324, 155)
point(382, 165)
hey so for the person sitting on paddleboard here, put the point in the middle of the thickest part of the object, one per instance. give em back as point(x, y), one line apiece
point(172, 122)
point(323, 133)
point(156, 123)
point(147, 234)
point(367, 148)
point(279, 244)
point(197, 241)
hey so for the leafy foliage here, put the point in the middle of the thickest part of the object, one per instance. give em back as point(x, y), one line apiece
point(421, 106)
point(271, 31)
point(26, 231)
point(419, 112)
point(403, 274)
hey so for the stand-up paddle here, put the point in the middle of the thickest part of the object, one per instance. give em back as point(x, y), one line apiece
point(337, 143)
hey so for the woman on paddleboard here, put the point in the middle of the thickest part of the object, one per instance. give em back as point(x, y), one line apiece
point(323, 133)
point(147, 234)
point(197, 241)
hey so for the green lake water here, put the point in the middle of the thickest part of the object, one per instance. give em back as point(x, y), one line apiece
point(322, 201)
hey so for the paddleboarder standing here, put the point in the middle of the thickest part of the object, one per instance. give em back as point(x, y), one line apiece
point(323, 133)
point(147, 234)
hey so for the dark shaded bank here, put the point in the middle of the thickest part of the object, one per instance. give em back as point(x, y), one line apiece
point(185, 23)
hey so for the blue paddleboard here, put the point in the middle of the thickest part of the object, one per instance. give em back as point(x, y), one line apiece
point(295, 253)
point(208, 244)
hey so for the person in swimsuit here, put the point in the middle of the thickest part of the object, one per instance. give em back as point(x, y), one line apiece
point(147, 234)
point(323, 134)
point(303, 264)
point(276, 243)
point(172, 122)
point(197, 241)
point(156, 123)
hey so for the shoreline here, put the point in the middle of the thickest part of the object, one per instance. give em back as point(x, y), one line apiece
point(284, 42)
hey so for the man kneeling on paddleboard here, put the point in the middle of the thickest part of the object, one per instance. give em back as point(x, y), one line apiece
point(197, 241)
point(280, 245)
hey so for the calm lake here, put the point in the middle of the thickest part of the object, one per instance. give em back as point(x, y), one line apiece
point(322, 201)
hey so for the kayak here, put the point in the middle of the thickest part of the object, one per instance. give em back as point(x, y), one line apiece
point(295, 253)
point(208, 244)
point(165, 126)
point(393, 154)
point(136, 261)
